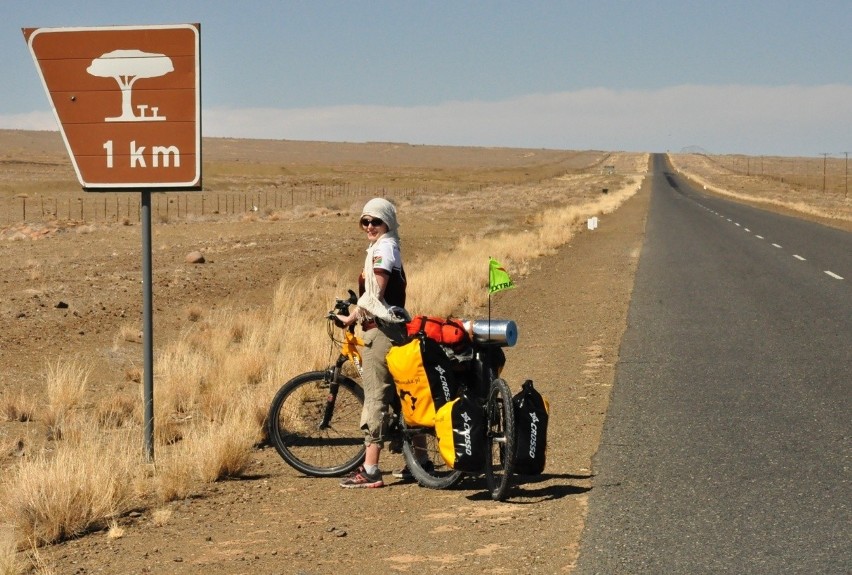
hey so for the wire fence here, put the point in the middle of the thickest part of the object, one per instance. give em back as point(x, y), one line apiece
point(825, 174)
point(92, 207)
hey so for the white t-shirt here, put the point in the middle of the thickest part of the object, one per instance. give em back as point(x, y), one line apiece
point(386, 255)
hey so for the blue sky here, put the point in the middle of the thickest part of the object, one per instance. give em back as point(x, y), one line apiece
point(753, 77)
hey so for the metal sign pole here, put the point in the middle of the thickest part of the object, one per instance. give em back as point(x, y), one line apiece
point(147, 328)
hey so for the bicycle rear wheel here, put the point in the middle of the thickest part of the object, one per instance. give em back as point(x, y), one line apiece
point(314, 424)
point(420, 447)
point(500, 460)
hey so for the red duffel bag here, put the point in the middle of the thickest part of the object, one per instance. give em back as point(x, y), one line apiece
point(446, 331)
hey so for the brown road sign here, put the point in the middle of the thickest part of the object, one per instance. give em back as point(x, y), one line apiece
point(128, 102)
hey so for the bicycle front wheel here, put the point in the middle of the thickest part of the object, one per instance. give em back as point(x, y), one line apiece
point(500, 461)
point(423, 458)
point(314, 424)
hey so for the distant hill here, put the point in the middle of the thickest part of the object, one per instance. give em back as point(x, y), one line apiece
point(693, 150)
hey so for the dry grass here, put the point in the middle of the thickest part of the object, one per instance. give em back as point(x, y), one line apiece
point(182, 373)
point(127, 333)
point(175, 476)
point(66, 387)
point(115, 531)
point(14, 446)
point(79, 486)
point(209, 451)
point(133, 373)
point(224, 449)
point(161, 516)
point(118, 411)
point(18, 406)
point(10, 561)
point(194, 313)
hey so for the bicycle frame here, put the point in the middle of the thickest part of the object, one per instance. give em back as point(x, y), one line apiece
point(348, 352)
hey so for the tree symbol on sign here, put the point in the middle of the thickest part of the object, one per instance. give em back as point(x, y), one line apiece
point(126, 67)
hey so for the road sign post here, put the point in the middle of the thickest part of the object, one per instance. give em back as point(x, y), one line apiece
point(128, 103)
point(147, 328)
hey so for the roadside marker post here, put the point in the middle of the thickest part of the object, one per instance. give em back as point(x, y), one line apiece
point(128, 103)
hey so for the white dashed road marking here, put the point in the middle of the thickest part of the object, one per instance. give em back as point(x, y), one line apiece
point(797, 256)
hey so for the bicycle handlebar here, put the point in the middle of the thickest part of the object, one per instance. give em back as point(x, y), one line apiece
point(341, 307)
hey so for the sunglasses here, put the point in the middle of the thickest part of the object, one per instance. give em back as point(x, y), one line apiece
point(375, 222)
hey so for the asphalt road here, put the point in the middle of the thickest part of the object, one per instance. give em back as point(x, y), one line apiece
point(726, 448)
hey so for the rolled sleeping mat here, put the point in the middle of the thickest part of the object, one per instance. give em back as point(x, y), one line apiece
point(502, 332)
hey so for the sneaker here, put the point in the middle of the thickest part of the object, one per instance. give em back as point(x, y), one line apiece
point(405, 472)
point(360, 478)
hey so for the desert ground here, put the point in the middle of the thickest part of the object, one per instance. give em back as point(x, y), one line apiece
point(273, 213)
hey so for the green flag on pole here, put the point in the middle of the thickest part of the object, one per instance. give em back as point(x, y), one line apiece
point(498, 279)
